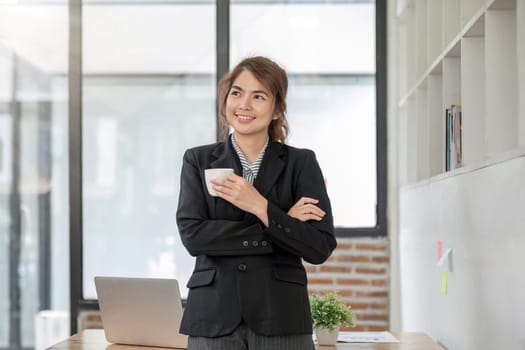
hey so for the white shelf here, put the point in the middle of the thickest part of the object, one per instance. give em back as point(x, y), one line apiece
point(421, 35)
point(520, 39)
point(466, 52)
point(403, 132)
point(411, 136)
point(436, 124)
point(451, 49)
point(481, 164)
point(403, 5)
point(471, 9)
point(501, 82)
point(434, 30)
point(503, 4)
point(473, 98)
point(421, 122)
point(451, 22)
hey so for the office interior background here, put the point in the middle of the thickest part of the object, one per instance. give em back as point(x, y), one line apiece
point(148, 92)
point(99, 99)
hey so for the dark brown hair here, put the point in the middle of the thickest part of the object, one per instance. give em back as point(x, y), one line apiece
point(272, 77)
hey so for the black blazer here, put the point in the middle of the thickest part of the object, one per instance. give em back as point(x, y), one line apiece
point(243, 270)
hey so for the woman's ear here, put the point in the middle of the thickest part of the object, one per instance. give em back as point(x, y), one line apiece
point(277, 114)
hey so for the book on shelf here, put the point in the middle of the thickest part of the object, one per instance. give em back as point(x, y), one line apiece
point(453, 146)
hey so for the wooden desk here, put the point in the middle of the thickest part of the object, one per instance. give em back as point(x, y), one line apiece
point(94, 340)
point(407, 341)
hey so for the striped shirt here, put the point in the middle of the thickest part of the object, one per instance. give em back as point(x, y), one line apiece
point(249, 171)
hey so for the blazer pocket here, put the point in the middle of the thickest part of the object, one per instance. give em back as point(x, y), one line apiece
point(201, 278)
point(288, 273)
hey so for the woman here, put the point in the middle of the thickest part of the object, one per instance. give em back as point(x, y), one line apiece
point(249, 287)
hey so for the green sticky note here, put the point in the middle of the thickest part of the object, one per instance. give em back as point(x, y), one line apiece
point(444, 281)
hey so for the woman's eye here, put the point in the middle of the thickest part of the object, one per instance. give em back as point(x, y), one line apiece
point(235, 93)
point(259, 97)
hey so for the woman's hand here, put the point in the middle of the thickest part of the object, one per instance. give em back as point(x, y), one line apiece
point(241, 193)
point(305, 209)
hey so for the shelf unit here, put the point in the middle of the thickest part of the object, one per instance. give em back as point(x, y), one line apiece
point(467, 52)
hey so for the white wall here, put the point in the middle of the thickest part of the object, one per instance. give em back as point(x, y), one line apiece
point(479, 213)
point(393, 159)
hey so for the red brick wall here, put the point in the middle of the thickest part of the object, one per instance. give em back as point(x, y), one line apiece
point(89, 320)
point(359, 271)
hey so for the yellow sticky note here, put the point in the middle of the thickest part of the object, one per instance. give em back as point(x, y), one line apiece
point(444, 281)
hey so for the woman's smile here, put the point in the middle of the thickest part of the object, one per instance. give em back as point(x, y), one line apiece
point(243, 118)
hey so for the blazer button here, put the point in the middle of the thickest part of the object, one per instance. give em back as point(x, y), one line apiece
point(287, 230)
point(242, 267)
point(245, 243)
point(255, 243)
point(279, 226)
point(264, 243)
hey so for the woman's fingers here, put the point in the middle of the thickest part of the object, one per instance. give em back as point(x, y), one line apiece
point(314, 217)
point(307, 200)
point(305, 209)
point(220, 186)
point(314, 214)
point(307, 217)
point(313, 209)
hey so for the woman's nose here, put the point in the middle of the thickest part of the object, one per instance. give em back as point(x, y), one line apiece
point(245, 103)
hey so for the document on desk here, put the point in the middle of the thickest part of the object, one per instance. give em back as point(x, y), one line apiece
point(366, 337)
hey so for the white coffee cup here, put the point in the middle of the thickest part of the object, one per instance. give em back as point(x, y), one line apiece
point(215, 173)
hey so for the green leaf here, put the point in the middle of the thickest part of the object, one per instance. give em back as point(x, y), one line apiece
point(329, 312)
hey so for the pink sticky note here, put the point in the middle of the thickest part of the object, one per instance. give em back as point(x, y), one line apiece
point(440, 249)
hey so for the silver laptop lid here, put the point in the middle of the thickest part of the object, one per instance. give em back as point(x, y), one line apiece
point(141, 311)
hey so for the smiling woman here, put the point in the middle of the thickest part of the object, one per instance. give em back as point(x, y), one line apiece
point(271, 213)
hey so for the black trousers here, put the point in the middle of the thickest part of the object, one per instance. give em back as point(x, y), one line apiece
point(244, 338)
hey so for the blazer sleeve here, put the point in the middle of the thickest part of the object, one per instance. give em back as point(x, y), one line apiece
point(200, 234)
point(312, 240)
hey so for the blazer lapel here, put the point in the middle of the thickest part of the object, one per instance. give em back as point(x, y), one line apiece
point(224, 156)
point(271, 167)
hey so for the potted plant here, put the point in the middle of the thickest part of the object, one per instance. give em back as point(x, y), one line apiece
point(328, 314)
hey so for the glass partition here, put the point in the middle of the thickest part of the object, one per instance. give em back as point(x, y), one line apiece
point(328, 49)
point(34, 244)
point(145, 101)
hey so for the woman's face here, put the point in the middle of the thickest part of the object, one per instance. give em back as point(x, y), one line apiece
point(249, 106)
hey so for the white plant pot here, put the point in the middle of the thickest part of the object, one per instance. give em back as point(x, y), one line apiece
point(326, 337)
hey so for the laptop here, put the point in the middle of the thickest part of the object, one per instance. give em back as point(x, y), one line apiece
point(141, 311)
